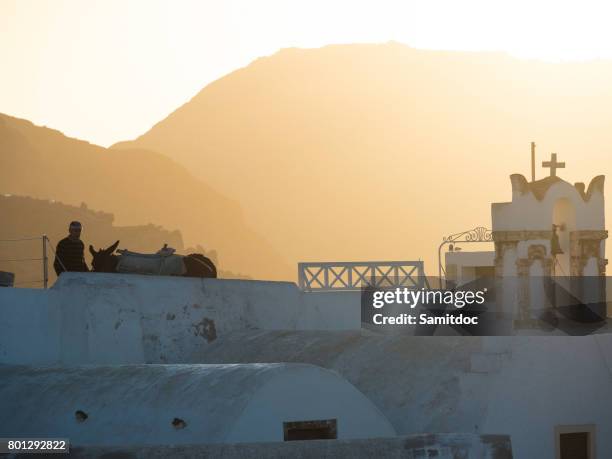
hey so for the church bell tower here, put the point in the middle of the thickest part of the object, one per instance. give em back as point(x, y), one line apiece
point(551, 228)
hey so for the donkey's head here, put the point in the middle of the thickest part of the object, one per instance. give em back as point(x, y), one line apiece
point(103, 260)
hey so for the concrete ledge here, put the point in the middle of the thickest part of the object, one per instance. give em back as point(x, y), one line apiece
point(439, 446)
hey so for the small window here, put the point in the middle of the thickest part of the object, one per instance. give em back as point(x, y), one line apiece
point(575, 442)
point(310, 430)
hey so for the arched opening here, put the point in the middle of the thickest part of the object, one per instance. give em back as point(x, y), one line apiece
point(564, 218)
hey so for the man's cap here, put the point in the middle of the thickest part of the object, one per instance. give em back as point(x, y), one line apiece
point(75, 224)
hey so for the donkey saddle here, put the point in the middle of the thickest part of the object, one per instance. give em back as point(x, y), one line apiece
point(162, 263)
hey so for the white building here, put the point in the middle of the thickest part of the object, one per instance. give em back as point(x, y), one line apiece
point(549, 393)
point(184, 404)
point(523, 228)
point(532, 388)
point(464, 267)
point(550, 229)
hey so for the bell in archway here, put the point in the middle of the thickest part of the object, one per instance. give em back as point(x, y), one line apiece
point(555, 247)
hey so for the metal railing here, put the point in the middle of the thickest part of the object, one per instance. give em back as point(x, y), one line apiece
point(352, 276)
point(44, 259)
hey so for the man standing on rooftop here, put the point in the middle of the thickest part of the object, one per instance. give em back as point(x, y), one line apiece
point(70, 252)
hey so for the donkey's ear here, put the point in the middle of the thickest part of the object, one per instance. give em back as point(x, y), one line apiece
point(112, 248)
point(92, 251)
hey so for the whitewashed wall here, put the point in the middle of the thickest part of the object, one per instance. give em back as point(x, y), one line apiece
point(523, 386)
point(526, 212)
point(125, 318)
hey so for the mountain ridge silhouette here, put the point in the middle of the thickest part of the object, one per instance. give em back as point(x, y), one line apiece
point(138, 187)
point(356, 152)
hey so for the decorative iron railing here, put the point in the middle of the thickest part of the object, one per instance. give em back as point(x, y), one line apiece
point(351, 276)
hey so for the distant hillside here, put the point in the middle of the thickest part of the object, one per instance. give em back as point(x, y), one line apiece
point(377, 151)
point(138, 186)
point(23, 216)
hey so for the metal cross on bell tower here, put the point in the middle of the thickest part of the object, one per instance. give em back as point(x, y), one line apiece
point(553, 165)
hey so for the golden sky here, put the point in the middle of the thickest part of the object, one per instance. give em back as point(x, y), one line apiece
point(106, 71)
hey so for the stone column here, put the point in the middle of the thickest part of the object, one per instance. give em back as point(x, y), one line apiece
point(586, 244)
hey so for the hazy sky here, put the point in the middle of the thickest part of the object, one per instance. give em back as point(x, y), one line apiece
point(106, 71)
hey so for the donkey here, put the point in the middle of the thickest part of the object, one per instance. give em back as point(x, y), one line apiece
point(196, 264)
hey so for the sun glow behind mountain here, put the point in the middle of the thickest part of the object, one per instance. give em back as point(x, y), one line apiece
point(107, 71)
